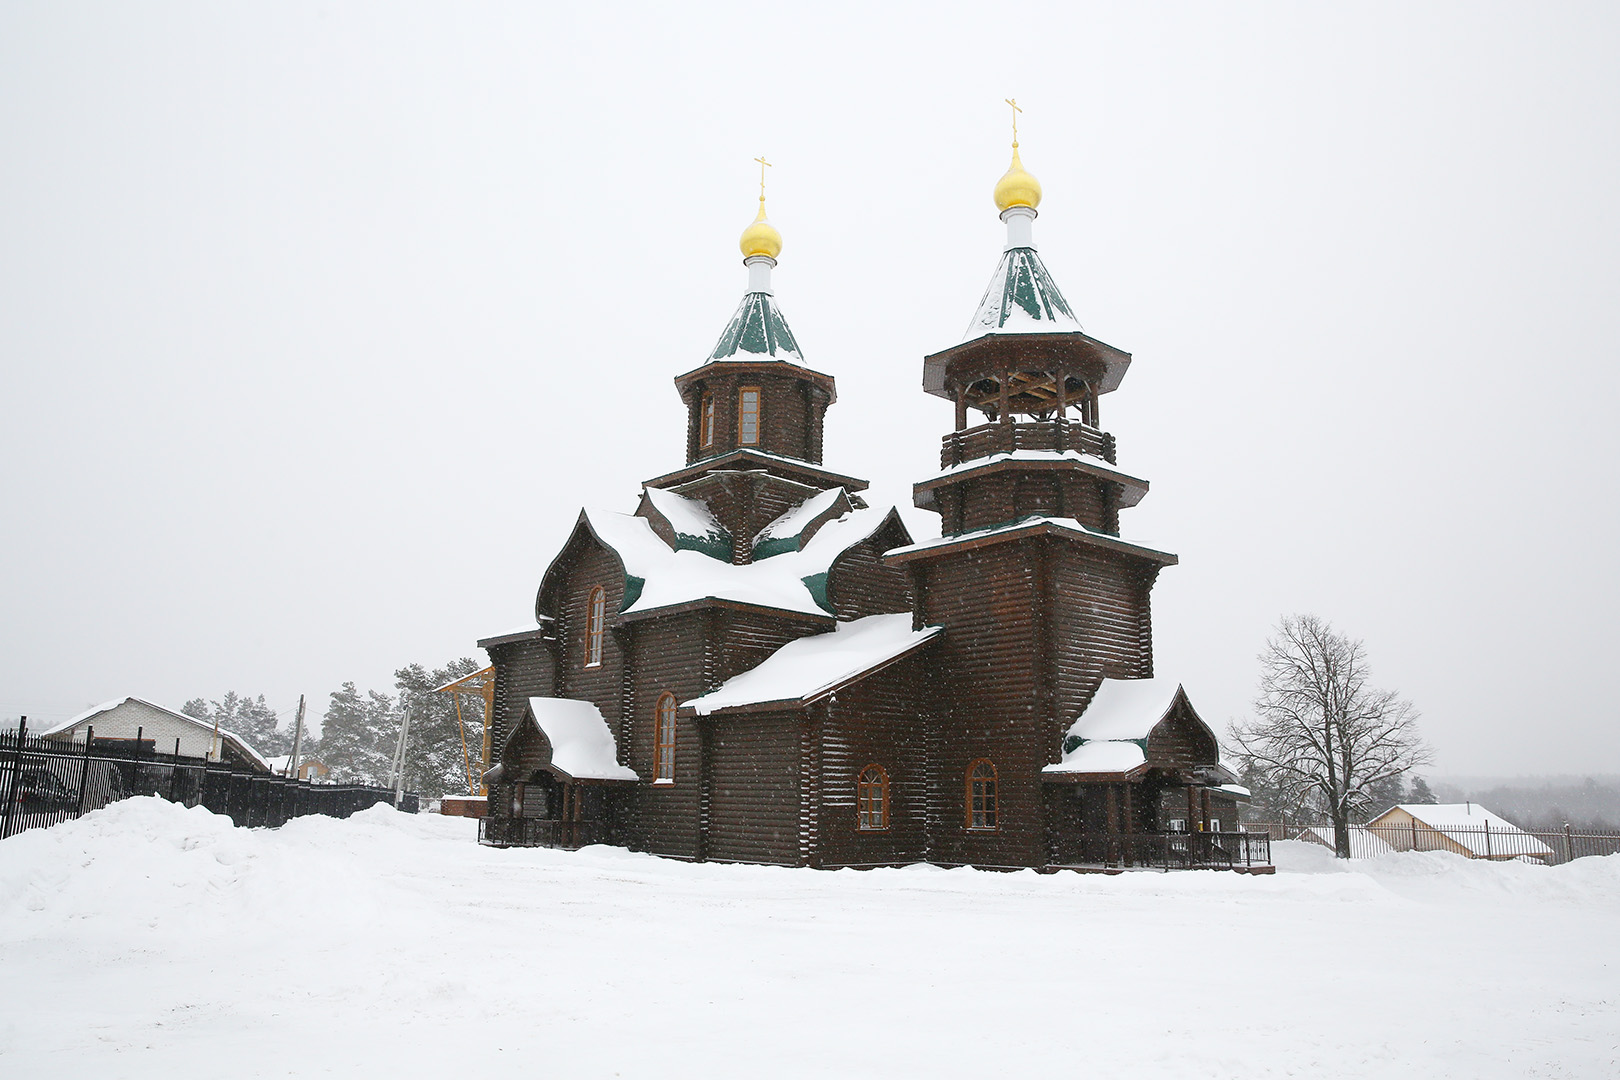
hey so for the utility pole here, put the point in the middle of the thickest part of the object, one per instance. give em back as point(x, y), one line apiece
point(399, 754)
point(298, 740)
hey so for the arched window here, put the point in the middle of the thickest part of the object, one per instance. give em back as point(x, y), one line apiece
point(664, 738)
point(981, 795)
point(706, 422)
point(748, 416)
point(595, 617)
point(872, 798)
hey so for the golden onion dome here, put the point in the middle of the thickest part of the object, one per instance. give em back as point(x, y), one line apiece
point(760, 238)
point(1017, 187)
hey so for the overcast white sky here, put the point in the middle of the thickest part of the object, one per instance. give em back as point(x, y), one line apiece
point(306, 311)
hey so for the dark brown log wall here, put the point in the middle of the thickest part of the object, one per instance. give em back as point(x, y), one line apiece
point(987, 677)
point(860, 583)
point(523, 669)
point(792, 410)
point(1099, 607)
point(754, 813)
point(982, 502)
point(667, 655)
point(877, 720)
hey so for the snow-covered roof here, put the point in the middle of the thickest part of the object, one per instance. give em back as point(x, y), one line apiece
point(695, 527)
point(1134, 486)
point(1126, 709)
point(810, 667)
point(1111, 735)
point(658, 576)
point(1067, 524)
point(795, 521)
point(241, 745)
point(1101, 757)
point(1022, 298)
point(581, 745)
point(757, 332)
point(1465, 823)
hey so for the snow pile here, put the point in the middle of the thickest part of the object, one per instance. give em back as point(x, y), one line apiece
point(145, 940)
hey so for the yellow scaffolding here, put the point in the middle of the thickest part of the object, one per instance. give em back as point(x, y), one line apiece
point(481, 683)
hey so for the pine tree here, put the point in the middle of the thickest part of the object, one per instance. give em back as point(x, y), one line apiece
point(435, 762)
point(1420, 792)
point(250, 719)
point(358, 735)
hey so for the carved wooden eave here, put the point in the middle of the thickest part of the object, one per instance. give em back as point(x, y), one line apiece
point(992, 354)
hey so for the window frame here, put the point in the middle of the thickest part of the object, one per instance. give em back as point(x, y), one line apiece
point(664, 747)
point(864, 801)
point(742, 413)
point(595, 625)
point(706, 422)
point(990, 808)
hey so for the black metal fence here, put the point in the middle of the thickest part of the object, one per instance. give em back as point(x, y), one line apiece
point(46, 781)
point(540, 832)
point(1498, 843)
point(1169, 850)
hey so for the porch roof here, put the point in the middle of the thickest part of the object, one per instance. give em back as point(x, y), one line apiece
point(582, 747)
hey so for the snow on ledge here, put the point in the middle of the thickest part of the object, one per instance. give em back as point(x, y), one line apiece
point(1101, 757)
point(581, 744)
point(806, 668)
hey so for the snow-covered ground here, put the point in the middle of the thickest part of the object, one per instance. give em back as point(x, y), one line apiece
point(149, 940)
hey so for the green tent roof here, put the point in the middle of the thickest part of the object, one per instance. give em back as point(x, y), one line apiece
point(1022, 299)
point(757, 332)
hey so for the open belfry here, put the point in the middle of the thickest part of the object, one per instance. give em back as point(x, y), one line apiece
point(757, 666)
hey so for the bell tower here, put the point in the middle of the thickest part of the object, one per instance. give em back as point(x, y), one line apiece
point(1036, 379)
point(1039, 596)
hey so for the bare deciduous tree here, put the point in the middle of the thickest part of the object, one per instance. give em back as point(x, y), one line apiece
point(1321, 735)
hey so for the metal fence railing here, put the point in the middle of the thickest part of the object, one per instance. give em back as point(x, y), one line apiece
point(1497, 843)
point(47, 781)
point(1166, 850)
point(540, 832)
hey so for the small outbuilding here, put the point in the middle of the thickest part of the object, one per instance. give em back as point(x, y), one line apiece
point(132, 719)
point(1466, 829)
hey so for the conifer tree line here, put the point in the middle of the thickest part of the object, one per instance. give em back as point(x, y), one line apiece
point(359, 729)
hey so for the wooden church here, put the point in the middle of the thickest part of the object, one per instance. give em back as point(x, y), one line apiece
point(757, 666)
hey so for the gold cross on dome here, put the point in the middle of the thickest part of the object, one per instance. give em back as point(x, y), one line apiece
point(763, 164)
point(1016, 110)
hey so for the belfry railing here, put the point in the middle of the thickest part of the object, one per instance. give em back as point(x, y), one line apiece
point(985, 440)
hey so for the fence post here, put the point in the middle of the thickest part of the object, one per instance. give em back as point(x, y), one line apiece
point(1487, 839)
point(1569, 844)
point(84, 770)
point(13, 789)
point(174, 769)
point(1414, 834)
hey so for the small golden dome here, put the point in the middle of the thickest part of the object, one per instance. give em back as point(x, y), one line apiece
point(1017, 187)
point(760, 238)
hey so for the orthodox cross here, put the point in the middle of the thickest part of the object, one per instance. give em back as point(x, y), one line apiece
point(762, 166)
point(1016, 110)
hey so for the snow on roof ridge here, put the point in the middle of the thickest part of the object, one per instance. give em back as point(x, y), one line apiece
point(808, 667)
point(581, 743)
point(792, 522)
point(103, 707)
point(686, 515)
point(1126, 709)
point(669, 577)
point(1069, 524)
